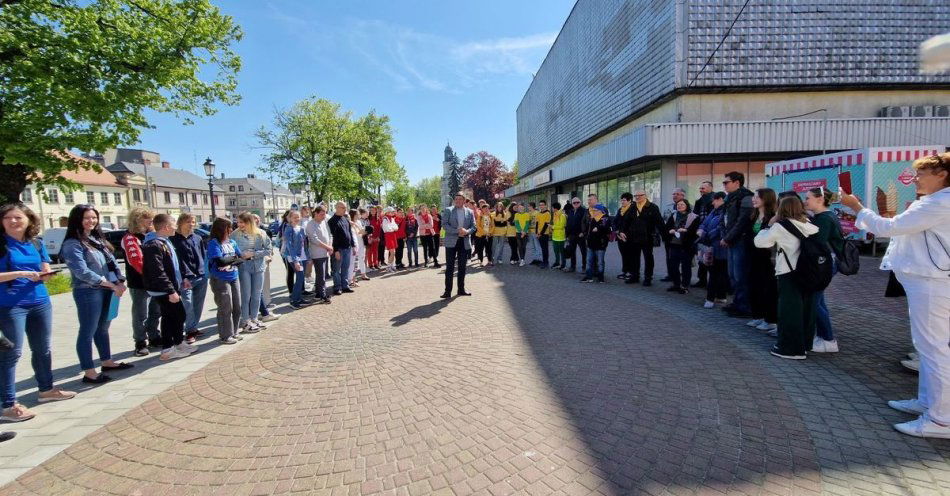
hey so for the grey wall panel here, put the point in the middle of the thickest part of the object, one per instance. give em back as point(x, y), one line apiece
point(611, 58)
point(811, 42)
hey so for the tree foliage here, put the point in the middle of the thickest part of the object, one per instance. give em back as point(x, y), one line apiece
point(82, 75)
point(486, 175)
point(429, 191)
point(401, 194)
point(337, 156)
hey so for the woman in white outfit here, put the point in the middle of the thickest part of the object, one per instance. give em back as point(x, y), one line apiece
point(919, 255)
point(358, 253)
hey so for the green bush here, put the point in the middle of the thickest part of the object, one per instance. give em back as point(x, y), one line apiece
point(58, 284)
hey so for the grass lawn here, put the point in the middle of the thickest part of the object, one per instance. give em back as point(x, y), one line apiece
point(58, 284)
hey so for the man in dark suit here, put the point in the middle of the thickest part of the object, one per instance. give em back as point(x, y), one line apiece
point(458, 223)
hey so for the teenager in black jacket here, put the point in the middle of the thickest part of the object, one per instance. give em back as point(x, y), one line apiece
point(642, 232)
point(597, 234)
point(736, 228)
point(625, 215)
point(575, 219)
point(165, 278)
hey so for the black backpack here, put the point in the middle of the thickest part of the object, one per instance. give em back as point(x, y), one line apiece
point(813, 272)
point(849, 259)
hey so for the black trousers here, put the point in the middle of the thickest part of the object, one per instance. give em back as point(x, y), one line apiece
point(626, 249)
point(381, 250)
point(400, 247)
point(427, 249)
point(522, 245)
point(290, 275)
point(646, 250)
point(480, 243)
point(543, 241)
point(763, 287)
point(577, 243)
point(173, 321)
point(513, 242)
point(320, 278)
point(702, 274)
point(681, 265)
point(455, 255)
point(717, 285)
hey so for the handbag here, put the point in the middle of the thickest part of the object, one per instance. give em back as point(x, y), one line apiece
point(113, 307)
point(706, 255)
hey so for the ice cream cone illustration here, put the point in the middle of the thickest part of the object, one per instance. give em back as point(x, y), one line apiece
point(892, 198)
point(885, 206)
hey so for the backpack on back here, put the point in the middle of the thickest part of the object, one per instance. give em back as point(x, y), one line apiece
point(849, 259)
point(813, 271)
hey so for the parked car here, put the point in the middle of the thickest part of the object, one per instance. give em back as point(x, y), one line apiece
point(115, 239)
point(53, 240)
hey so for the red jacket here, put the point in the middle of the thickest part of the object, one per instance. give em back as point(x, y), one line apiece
point(401, 222)
point(377, 224)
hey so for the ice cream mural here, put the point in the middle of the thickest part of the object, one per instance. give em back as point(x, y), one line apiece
point(882, 178)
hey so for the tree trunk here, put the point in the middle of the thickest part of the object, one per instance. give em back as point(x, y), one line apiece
point(13, 180)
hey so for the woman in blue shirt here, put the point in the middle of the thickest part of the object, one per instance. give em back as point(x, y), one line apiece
point(224, 256)
point(95, 278)
point(25, 309)
point(294, 251)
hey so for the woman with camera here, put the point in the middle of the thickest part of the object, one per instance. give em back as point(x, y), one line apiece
point(919, 255)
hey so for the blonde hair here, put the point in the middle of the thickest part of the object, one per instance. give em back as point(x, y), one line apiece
point(135, 218)
point(935, 163)
point(183, 219)
point(250, 225)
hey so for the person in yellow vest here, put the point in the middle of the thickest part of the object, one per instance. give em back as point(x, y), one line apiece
point(543, 231)
point(523, 229)
point(483, 234)
point(558, 234)
point(532, 248)
point(499, 231)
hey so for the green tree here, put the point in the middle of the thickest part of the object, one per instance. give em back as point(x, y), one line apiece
point(315, 142)
point(401, 194)
point(429, 190)
point(83, 74)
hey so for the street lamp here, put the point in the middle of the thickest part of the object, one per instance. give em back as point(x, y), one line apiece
point(209, 171)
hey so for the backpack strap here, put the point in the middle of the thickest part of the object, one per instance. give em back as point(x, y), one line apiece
point(787, 224)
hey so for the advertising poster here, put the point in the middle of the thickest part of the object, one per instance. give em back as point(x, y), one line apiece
point(827, 177)
point(892, 187)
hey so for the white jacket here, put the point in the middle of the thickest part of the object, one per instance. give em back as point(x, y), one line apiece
point(786, 242)
point(389, 225)
point(920, 236)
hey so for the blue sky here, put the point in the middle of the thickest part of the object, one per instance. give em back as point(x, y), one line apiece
point(442, 70)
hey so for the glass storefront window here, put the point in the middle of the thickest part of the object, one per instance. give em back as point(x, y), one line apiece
point(690, 175)
point(757, 175)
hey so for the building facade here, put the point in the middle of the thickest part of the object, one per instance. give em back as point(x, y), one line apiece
point(654, 94)
point(100, 189)
point(259, 196)
point(154, 183)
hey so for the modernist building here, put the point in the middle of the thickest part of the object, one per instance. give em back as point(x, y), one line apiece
point(259, 196)
point(152, 182)
point(655, 94)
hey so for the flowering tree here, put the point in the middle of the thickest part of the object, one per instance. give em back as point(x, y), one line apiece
point(486, 175)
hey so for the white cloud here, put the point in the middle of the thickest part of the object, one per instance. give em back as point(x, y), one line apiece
point(412, 60)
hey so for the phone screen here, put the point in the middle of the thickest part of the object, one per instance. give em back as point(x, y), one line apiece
point(844, 181)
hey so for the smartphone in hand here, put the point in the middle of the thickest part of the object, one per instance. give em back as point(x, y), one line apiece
point(844, 182)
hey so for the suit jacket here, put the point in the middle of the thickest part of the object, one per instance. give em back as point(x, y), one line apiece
point(450, 224)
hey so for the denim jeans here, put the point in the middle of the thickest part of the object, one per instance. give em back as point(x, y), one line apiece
point(252, 283)
point(194, 301)
point(738, 274)
point(595, 263)
point(823, 327)
point(296, 291)
point(145, 315)
point(36, 323)
point(412, 248)
point(92, 305)
point(340, 265)
point(497, 248)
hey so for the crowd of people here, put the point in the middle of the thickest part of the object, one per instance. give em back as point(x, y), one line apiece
point(774, 252)
point(169, 269)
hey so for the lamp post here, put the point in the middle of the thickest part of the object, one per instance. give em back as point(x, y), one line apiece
point(209, 171)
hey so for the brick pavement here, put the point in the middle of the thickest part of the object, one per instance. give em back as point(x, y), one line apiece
point(535, 385)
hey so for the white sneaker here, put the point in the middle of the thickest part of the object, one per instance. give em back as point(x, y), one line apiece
point(250, 328)
point(755, 322)
point(774, 332)
point(822, 346)
point(913, 406)
point(171, 354)
point(765, 326)
point(923, 427)
point(709, 304)
point(911, 365)
point(270, 318)
point(521, 264)
point(260, 325)
point(722, 301)
point(187, 348)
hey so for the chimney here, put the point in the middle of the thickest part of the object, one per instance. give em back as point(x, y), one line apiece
point(166, 165)
point(250, 176)
point(222, 175)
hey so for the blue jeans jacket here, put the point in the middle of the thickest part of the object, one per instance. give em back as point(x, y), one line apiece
point(88, 266)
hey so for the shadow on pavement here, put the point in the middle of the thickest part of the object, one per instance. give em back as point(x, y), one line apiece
point(421, 312)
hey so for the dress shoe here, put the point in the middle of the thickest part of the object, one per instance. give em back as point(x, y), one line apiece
point(463, 293)
point(446, 295)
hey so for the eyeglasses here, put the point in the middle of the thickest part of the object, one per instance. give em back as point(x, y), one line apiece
point(727, 181)
point(576, 203)
point(638, 196)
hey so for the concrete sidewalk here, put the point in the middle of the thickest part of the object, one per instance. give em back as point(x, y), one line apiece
point(59, 425)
